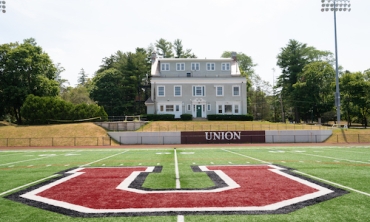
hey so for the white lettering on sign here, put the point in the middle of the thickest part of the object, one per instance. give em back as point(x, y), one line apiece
point(222, 135)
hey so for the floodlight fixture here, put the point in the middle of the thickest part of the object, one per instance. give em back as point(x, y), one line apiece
point(336, 6)
point(2, 6)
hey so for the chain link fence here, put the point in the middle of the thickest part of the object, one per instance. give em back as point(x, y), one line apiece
point(55, 141)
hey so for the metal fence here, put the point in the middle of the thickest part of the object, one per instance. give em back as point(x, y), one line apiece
point(157, 127)
point(55, 141)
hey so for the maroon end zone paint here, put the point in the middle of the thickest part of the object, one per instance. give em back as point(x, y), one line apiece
point(199, 137)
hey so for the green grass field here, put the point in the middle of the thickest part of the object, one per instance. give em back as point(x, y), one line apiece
point(347, 168)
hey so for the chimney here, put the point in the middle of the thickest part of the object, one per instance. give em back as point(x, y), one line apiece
point(154, 56)
point(233, 56)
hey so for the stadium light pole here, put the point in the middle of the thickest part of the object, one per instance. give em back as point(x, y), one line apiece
point(335, 6)
point(2, 6)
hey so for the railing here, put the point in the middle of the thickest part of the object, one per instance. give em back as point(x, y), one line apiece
point(55, 141)
point(349, 138)
point(154, 127)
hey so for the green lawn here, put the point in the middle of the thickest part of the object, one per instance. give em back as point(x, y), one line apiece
point(343, 167)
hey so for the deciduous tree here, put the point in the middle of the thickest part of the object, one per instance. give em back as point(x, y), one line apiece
point(24, 69)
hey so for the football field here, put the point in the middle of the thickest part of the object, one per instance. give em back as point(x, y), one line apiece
point(219, 183)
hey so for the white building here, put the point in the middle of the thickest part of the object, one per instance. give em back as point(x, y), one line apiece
point(196, 86)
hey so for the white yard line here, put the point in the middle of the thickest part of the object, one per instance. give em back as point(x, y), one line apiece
point(26, 185)
point(247, 156)
point(103, 159)
point(328, 157)
point(180, 218)
point(333, 183)
point(178, 186)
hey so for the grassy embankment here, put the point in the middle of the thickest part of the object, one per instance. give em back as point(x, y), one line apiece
point(90, 130)
point(55, 134)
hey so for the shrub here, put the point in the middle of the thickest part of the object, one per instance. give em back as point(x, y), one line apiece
point(41, 110)
point(186, 117)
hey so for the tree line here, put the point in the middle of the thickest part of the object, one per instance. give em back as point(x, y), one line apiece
point(304, 90)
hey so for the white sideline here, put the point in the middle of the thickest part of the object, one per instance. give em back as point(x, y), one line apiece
point(26, 160)
point(246, 156)
point(26, 185)
point(103, 159)
point(328, 157)
point(336, 184)
point(327, 181)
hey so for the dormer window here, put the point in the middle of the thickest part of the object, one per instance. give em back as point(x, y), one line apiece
point(180, 66)
point(195, 66)
point(211, 66)
point(225, 66)
point(165, 67)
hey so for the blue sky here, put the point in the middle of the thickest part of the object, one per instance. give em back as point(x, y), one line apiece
point(80, 33)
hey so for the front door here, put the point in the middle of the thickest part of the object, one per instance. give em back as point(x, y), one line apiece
point(199, 110)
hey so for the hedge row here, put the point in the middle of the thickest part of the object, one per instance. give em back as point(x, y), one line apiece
point(160, 117)
point(187, 117)
point(230, 117)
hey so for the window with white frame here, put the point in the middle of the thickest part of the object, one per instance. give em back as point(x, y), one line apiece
point(161, 108)
point(177, 108)
point(236, 109)
point(195, 66)
point(169, 108)
point(208, 107)
point(219, 90)
point(177, 90)
point(198, 91)
point(165, 67)
point(180, 66)
point(225, 66)
point(220, 109)
point(160, 91)
point(228, 109)
point(211, 66)
point(236, 90)
point(189, 107)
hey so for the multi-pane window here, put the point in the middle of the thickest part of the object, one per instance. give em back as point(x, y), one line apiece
point(169, 108)
point(161, 108)
point(236, 90)
point(211, 66)
point(219, 108)
point(228, 109)
point(189, 107)
point(180, 66)
point(236, 109)
point(195, 66)
point(198, 91)
point(225, 66)
point(165, 67)
point(219, 90)
point(160, 90)
point(177, 108)
point(208, 107)
point(177, 90)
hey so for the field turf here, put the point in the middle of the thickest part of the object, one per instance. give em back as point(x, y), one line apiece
point(346, 167)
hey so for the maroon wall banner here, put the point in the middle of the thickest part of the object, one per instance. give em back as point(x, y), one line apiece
point(198, 137)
